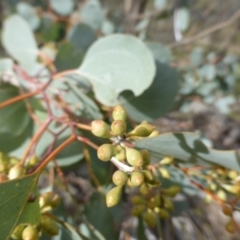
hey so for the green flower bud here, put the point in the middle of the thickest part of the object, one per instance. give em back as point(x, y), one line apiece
point(105, 152)
point(3, 177)
point(155, 182)
point(48, 201)
point(14, 160)
point(148, 175)
point(113, 196)
point(172, 191)
point(164, 172)
point(16, 171)
point(49, 226)
point(32, 161)
point(222, 195)
point(119, 113)
point(138, 200)
point(4, 167)
point(18, 230)
point(100, 129)
point(146, 157)
point(120, 178)
point(156, 200)
point(166, 161)
point(30, 233)
point(148, 126)
point(162, 213)
point(230, 226)
point(118, 127)
point(154, 133)
point(232, 174)
point(227, 210)
point(144, 189)
point(119, 153)
point(168, 205)
point(139, 131)
point(150, 218)
point(134, 157)
point(138, 210)
point(137, 178)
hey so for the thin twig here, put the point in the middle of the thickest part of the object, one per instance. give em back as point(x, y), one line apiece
point(208, 31)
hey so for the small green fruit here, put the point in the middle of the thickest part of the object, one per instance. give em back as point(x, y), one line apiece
point(119, 113)
point(154, 133)
point(49, 201)
point(154, 182)
point(148, 175)
point(227, 210)
point(146, 157)
point(100, 129)
point(150, 218)
point(32, 161)
point(4, 167)
point(118, 127)
point(148, 126)
point(230, 226)
point(30, 233)
point(156, 200)
point(168, 205)
point(134, 157)
point(138, 131)
point(4, 158)
point(138, 210)
point(119, 153)
point(120, 178)
point(16, 171)
point(172, 191)
point(137, 178)
point(49, 226)
point(163, 213)
point(18, 230)
point(138, 200)
point(105, 152)
point(113, 196)
point(166, 161)
point(144, 189)
point(164, 172)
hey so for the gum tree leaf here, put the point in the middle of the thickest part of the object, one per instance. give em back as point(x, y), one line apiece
point(92, 14)
point(9, 127)
point(156, 100)
point(182, 19)
point(81, 36)
point(14, 207)
point(18, 40)
point(116, 63)
point(160, 52)
point(187, 148)
point(29, 14)
point(62, 7)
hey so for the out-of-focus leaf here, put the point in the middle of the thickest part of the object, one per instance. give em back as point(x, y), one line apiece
point(107, 27)
point(51, 31)
point(92, 14)
point(160, 52)
point(207, 71)
point(182, 19)
point(196, 56)
point(18, 40)
point(81, 36)
point(116, 63)
point(62, 7)
point(223, 104)
point(29, 14)
point(104, 222)
point(10, 129)
point(14, 207)
point(187, 148)
point(159, 4)
point(68, 57)
point(156, 100)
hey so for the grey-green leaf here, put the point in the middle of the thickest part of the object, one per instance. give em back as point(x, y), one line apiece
point(18, 40)
point(187, 148)
point(116, 63)
point(156, 100)
point(62, 7)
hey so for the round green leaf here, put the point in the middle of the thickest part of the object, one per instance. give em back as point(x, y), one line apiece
point(116, 63)
point(62, 7)
point(156, 100)
point(81, 36)
point(18, 40)
point(182, 19)
point(29, 14)
point(92, 14)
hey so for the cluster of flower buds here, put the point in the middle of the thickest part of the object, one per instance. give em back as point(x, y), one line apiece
point(11, 168)
point(25, 231)
point(137, 159)
point(150, 205)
